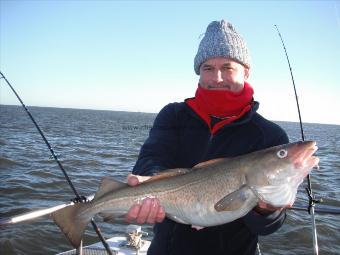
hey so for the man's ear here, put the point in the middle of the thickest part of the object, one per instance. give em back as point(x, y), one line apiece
point(246, 73)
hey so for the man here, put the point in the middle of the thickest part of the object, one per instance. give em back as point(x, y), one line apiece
point(220, 121)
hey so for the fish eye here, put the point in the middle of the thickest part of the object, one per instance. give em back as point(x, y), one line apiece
point(282, 153)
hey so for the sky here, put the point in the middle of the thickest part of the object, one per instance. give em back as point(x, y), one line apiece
point(138, 55)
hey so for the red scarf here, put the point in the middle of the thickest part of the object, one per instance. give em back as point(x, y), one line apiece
point(223, 104)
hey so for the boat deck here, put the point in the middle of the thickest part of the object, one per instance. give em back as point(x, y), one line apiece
point(117, 244)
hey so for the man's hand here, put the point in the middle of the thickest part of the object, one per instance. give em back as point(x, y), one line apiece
point(147, 210)
point(266, 209)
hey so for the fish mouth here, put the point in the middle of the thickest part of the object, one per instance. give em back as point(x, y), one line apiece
point(301, 155)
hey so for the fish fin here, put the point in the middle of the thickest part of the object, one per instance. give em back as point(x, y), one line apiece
point(112, 218)
point(169, 173)
point(235, 200)
point(107, 217)
point(71, 224)
point(209, 162)
point(107, 185)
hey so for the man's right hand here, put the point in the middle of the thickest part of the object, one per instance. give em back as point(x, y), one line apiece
point(147, 210)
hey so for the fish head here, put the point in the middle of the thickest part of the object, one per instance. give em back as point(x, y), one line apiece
point(276, 172)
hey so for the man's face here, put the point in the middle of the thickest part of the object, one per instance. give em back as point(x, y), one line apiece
point(222, 73)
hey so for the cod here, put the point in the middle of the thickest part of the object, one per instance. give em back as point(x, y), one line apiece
point(209, 194)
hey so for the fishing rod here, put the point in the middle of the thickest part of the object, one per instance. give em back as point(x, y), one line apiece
point(37, 213)
point(42, 212)
point(312, 200)
point(318, 209)
point(78, 198)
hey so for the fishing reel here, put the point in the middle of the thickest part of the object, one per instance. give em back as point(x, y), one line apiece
point(312, 200)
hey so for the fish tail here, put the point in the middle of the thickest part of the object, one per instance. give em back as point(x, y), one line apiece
point(72, 223)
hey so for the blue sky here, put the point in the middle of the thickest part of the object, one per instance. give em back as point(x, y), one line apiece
point(138, 55)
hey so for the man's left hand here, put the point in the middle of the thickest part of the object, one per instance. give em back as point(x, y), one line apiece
point(266, 209)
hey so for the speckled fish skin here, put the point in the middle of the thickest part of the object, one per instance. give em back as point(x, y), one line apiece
point(210, 194)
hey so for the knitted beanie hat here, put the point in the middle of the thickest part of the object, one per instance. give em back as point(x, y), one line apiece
point(221, 40)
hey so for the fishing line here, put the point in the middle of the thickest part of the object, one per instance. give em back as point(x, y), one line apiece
point(312, 200)
point(78, 197)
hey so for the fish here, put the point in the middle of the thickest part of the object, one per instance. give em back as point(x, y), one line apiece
point(211, 193)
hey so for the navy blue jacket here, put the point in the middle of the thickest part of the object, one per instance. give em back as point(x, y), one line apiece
point(180, 138)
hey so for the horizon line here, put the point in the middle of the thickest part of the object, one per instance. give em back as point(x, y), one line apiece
point(112, 110)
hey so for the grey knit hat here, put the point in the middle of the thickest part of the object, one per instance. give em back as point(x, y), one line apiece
point(221, 40)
